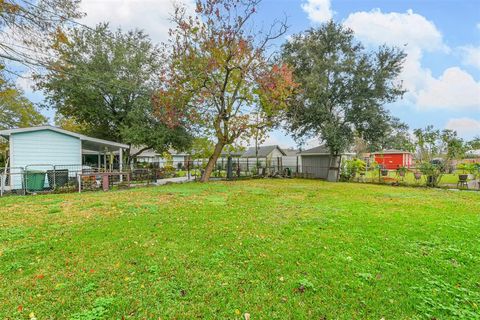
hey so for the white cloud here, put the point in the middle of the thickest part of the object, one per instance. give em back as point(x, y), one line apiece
point(318, 10)
point(454, 89)
point(471, 56)
point(410, 30)
point(465, 127)
point(153, 16)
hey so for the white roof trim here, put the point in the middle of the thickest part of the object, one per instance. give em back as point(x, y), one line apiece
point(325, 154)
point(7, 133)
point(392, 152)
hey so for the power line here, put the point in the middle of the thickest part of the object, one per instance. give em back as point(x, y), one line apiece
point(60, 16)
point(73, 21)
point(30, 62)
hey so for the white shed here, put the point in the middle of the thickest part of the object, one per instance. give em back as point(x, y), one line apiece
point(318, 163)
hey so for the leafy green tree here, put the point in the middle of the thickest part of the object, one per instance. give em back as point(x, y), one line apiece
point(433, 143)
point(428, 142)
point(16, 111)
point(70, 124)
point(218, 74)
point(474, 143)
point(343, 88)
point(202, 148)
point(104, 81)
point(454, 147)
point(436, 151)
point(396, 136)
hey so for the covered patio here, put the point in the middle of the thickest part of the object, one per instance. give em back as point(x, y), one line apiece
point(56, 151)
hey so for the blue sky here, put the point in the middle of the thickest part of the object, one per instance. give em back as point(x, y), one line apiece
point(443, 44)
point(442, 39)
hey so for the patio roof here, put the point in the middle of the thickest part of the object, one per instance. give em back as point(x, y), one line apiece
point(88, 143)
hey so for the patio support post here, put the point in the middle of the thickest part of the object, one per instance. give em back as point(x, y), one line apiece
point(105, 160)
point(120, 160)
point(99, 162)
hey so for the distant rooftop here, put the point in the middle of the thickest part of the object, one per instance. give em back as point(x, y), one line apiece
point(391, 151)
point(263, 151)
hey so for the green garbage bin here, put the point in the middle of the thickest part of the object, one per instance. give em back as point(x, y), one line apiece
point(34, 180)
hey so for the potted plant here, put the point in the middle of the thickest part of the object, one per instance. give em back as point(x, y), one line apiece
point(383, 171)
point(433, 172)
point(417, 175)
point(472, 170)
point(464, 168)
point(402, 170)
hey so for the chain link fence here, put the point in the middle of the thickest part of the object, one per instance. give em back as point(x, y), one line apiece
point(44, 178)
point(41, 178)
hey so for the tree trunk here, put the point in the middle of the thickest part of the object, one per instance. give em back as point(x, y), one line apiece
point(211, 162)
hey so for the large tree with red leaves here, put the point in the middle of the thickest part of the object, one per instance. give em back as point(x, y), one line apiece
point(218, 75)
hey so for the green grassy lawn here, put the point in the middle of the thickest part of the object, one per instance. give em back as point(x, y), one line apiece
point(276, 249)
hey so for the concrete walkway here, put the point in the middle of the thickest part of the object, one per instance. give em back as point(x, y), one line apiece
point(173, 180)
point(473, 185)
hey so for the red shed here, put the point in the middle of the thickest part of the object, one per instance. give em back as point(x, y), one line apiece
point(393, 159)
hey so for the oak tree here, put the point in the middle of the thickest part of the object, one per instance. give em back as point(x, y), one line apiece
point(16, 111)
point(102, 81)
point(344, 87)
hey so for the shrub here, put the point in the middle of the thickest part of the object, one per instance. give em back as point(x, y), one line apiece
point(471, 168)
point(433, 171)
point(350, 168)
point(169, 171)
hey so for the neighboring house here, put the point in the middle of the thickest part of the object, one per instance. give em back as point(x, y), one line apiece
point(393, 159)
point(179, 159)
point(266, 152)
point(269, 156)
point(233, 154)
point(48, 147)
point(147, 156)
point(317, 163)
point(292, 160)
point(473, 155)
